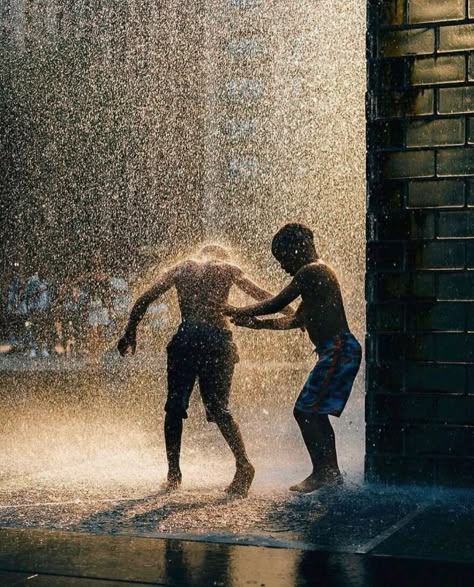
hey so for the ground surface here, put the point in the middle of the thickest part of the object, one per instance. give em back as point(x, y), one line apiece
point(352, 538)
point(354, 519)
point(84, 452)
point(80, 502)
point(40, 558)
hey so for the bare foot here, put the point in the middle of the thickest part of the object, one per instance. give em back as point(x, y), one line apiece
point(242, 480)
point(172, 483)
point(314, 482)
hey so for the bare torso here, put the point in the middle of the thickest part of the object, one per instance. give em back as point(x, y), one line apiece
point(203, 289)
point(322, 306)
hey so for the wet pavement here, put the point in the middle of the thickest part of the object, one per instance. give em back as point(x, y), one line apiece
point(359, 535)
point(80, 504)
point(327, 519)
point(58, 559)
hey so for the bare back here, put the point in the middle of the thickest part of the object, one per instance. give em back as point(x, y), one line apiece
point(322, 305)
point(203, 289)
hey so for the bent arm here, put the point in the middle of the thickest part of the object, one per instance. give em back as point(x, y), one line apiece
point(141, 305)
point(271, 306)
point(255, 291)
point(286, 323)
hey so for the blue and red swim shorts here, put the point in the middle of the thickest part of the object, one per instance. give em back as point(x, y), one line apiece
point(329, 384)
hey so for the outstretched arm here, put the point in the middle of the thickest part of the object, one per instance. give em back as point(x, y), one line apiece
point(271, 306)
point(128, 340)
point(256, 292)
point(286, 323)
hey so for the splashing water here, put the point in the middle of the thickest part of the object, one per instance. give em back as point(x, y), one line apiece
point(140, 129)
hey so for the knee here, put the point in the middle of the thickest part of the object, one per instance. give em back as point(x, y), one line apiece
point(299, 416)
point(303, 418)
point(175, 410)
point(220, 416)
point(173, 418)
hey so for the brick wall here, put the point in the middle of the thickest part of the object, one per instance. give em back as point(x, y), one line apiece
point(420, 241)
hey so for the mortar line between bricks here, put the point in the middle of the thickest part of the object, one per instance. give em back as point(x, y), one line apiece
point(372, 544)
point(429, 25)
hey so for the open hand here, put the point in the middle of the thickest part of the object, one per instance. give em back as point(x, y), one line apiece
point(127, 344)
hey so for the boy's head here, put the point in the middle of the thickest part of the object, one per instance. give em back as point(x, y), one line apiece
point(293, 247)
point(214, 251)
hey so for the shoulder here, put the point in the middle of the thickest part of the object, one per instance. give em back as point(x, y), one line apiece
point(318, 269)
point(169, 274)
point(183, 267)
point(229, 269)
point(308, 270)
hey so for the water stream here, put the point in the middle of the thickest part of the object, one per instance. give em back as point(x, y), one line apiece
point(139, 129)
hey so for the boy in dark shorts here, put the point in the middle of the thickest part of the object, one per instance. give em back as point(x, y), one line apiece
point(322, 314)
point(201, 349)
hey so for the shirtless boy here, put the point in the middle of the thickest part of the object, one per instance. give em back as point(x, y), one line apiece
point(322, 314)
point(201, 349)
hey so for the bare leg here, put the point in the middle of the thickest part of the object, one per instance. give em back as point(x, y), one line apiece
point(173, 433)
point(329, 450)
point(245, 471)
point(215, 382)
point(319, 438)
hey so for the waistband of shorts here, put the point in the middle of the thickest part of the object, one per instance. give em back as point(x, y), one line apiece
point(344, 336)
point(204, 327)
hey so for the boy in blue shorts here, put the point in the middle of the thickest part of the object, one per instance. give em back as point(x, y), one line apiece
point(321, 313)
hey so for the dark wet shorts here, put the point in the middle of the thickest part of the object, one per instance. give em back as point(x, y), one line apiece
point(329, 384)
point(204, 353)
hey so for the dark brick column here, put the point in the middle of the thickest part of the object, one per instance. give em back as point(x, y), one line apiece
point(420, 241)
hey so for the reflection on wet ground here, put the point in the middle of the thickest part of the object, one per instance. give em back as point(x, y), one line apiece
point(58, 559)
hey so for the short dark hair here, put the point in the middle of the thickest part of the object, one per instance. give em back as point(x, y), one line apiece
point(290, 235)
point(215, 251)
